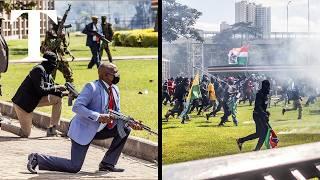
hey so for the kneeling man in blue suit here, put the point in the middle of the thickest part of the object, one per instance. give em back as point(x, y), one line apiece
point(91, 122)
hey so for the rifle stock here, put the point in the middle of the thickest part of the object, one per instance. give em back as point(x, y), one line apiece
point(130, 120)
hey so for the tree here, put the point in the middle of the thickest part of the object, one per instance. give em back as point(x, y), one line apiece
point(142, 16)
point(245, 29)
point(18, 5)
point(177, 20)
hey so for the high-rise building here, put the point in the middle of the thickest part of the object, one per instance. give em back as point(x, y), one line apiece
point(258, 15)
point(241, 11)
point(19, 29)
point(224, 26)
point(251, 13)
point(263, 20)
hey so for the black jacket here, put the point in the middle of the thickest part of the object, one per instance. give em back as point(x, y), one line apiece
point(37, 84)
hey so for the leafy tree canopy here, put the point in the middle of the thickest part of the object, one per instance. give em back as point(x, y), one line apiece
point(177, 20)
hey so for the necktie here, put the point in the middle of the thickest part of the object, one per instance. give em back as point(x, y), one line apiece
point(110, 105)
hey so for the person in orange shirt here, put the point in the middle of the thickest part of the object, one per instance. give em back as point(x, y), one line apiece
point(212, 98)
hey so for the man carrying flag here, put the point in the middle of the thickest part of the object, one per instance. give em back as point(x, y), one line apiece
point(260, 117)
point(194, 93)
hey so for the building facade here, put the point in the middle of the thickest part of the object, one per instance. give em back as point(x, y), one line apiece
point(263, 20)
point(224, 26)
point(241, 11)
point(258, 15)
point(19, 29)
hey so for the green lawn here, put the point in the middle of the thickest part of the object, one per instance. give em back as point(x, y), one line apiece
point(18, 49)
point(135, 76)
point(201, 139)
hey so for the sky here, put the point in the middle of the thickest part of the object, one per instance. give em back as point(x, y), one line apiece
point(216, 11)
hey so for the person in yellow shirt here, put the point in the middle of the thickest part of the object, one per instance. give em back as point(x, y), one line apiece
point(212, 98)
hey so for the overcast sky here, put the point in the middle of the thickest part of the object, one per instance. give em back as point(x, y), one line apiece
point(216, 11)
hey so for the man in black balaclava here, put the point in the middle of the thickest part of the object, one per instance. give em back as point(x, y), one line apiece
point(260, 117)
point(38, 90)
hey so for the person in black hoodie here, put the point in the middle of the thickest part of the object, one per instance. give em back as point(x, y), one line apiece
point(38, 90)
point(260, 117)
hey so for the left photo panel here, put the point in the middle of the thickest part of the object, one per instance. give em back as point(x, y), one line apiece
point(77, 74)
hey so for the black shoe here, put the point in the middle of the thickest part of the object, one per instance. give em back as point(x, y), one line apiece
point(52, 131)
point(166, 117)
point(239, 144)
point(207, 115)
point(109, 168)
point(32, 163)
point(283, 111)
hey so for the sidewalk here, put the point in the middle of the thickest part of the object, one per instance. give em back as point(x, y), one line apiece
point(116, 58)
point(14, 152)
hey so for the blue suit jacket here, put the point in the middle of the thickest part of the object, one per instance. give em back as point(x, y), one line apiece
point(88, 106)
point(87, 30)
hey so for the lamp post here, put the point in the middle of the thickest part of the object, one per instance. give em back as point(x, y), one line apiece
point(288, 16)
point(308, 16)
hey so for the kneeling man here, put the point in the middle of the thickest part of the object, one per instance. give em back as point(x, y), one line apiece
point(91, 121)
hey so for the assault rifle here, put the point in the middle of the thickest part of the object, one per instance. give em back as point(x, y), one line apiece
point(130, 120)
point(61, 24)
point(73, 93)
point(100, 36)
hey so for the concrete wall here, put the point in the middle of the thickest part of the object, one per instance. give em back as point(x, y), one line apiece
point(137, 147)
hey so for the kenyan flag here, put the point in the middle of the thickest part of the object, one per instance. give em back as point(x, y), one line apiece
point(239, 55)
point(243, 56)
point(271, 140)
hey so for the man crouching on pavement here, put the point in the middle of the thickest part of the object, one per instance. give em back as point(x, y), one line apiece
point(91, 121)
point(38, 90)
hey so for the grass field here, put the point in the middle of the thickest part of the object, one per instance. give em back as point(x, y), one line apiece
point(201, 139)
point(18, 49)
point(135, 76)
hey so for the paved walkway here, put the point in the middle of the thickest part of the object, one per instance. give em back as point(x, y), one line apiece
point(14, 152)
point(116, 58)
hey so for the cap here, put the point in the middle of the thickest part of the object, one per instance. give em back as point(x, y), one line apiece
point(94, 17)
point(50, 57)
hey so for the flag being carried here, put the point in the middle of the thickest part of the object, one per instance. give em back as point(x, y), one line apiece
point(238, 55)
point(194, 93)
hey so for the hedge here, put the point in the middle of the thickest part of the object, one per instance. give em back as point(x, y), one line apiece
point(136, 38)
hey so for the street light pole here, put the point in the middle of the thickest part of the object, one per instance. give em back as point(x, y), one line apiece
point(308, 16)
point(288, 17)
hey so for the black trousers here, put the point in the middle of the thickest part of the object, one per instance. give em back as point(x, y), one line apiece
point(261, 131)
point(96, 58)
point(166, 97)
point(78, 153)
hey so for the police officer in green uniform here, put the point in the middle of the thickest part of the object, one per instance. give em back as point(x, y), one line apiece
point(59, 45)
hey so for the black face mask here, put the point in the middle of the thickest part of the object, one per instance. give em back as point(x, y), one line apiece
point(49, 67)
point(116, 79)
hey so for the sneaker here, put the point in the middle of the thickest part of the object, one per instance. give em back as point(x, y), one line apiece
point(52, 131)
point(207, 116)
point(239, 144)
point(283, 111)
point(32, 163)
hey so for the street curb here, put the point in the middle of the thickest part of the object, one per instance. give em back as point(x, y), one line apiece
point(135, 146)
point(81, 59)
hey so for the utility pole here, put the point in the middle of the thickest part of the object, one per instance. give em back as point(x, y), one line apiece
point(288, 17)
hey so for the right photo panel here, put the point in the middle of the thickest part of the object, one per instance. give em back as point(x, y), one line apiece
point(240, 89)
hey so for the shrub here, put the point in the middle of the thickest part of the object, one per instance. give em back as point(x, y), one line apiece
point(136, 38)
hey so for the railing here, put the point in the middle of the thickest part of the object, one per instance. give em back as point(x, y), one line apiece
point(294, 162)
